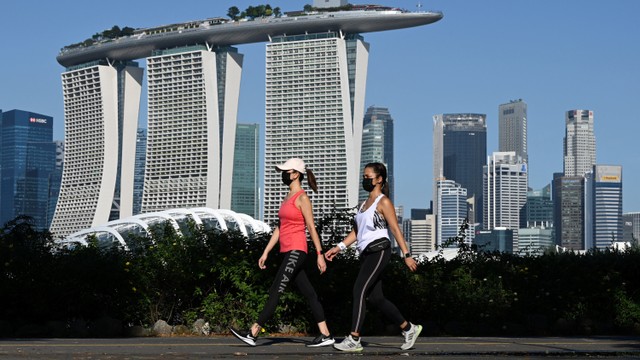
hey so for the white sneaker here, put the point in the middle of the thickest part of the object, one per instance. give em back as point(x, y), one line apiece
point(411, 336)
point(349, 344)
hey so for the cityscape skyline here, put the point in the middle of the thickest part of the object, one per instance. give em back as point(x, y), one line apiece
point(416, 87)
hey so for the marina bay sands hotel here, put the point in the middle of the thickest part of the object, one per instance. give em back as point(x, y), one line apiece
point(316, 72)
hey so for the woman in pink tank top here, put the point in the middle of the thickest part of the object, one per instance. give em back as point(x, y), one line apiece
point(296, 217)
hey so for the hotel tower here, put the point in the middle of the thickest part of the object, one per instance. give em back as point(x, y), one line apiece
point(315, 86)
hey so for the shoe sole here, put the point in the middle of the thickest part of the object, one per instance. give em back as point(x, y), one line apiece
point(349, 350)
point(324, 343)
point(242, 338)
point(415, 338)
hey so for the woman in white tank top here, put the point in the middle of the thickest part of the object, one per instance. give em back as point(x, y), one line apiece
point(373, 221)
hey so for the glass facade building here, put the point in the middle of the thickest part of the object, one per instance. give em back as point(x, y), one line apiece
point(631, 227)
point(451, 212)
point(27, 163)
point(538, 210)
point(460, 150)
point(603, 206)
point(244, 190)
point(377, 143)
point(569, 210)
point(138, 179)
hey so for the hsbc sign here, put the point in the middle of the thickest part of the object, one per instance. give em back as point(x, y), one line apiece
point(37, 120)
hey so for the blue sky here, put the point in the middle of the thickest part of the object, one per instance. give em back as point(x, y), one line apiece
point(555, 55)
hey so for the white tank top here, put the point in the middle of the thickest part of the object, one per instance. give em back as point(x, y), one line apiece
point(371, 225)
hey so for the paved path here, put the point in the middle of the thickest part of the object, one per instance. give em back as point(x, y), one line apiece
point(293, 348)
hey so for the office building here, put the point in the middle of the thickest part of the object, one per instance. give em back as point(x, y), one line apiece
point(579, 143)
point(505, 192)
point(459, 153)
point(314, 110)
point(569, 210)
point(451, 212)
point(138, 179)
point(244, 189)
point(538, 210)
point(497, 239)
point(422, 235)
point(193, 104)
point(603, 206)
point(377, 144)
point(55, 181)
point(631, 227)
point(419, 231)
point(512, 128)
point(27, 161)
point(535, 241)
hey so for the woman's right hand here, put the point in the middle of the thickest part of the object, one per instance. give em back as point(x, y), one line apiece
point(262, 260)
point(331, 253)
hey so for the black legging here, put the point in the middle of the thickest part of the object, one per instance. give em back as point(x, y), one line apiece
point(292, 267)
point(369, 286)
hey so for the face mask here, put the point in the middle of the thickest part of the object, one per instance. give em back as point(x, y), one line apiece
point(286, 178)
point(367, 184)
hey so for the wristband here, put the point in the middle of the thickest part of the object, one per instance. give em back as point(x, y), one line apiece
point(341, 246)
point(319, 252)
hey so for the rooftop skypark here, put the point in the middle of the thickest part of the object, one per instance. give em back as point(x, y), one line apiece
point(129, 44)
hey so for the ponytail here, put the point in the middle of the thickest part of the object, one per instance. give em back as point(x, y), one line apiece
point(385, 188)
point(311, 180)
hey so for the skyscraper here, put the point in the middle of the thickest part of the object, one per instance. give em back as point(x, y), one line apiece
point(377, 143)
point(138, 179)
point(603, 215)
point(244, 191)
point(314, 110)
point(538, 210)
point(569, 210)
point(579, 143)
point(193, 104)
point(512, 128)
point(55, 181)
point(459, 153)
point(101, 102)
point(27, 161)
point(451, 212)
point(631, 227)
point(505, 192)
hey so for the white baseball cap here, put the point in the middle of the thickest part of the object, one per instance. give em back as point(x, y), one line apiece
point(292, 164)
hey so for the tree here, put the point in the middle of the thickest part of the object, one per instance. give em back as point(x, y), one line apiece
point(308, 8)
point(276, 12)
point(233, 13)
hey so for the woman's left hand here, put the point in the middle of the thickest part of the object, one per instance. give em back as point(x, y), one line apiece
point(411, 263)
point(322, 265)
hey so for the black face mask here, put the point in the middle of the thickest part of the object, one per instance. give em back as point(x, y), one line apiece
point(367, 184)
point(286, 178)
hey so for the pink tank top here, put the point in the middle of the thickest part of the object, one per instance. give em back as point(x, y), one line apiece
point(293, 234)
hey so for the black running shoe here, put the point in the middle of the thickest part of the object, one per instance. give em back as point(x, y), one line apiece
point(244, 336)
point(322, 340)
